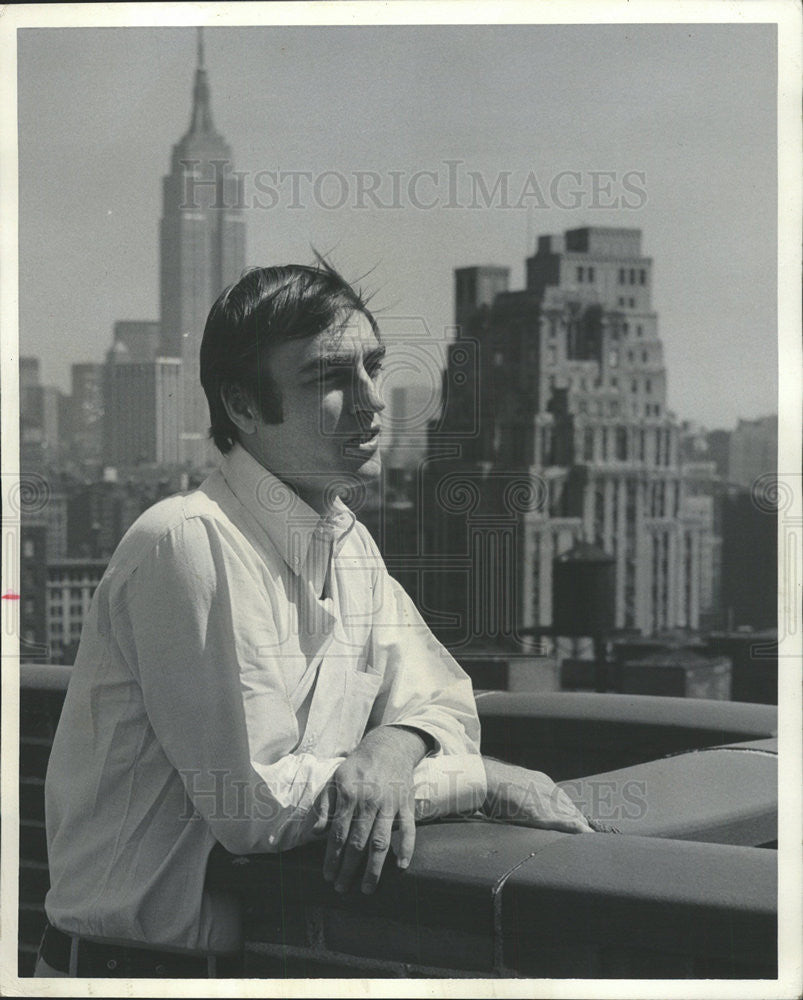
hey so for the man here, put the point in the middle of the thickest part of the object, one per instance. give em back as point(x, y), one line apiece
point(249, 674)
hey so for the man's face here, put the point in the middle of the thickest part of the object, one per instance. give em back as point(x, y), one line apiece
point(330, 404)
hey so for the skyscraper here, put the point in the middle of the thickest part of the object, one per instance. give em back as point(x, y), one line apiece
point(86, 412)
point(563, 436)
point(202, 249)
point(143, 409)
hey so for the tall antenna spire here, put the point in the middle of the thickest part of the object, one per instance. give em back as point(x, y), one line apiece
point(201, 113)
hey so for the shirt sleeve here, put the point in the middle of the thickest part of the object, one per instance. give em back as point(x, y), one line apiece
point(197, 629)
point(424, 687)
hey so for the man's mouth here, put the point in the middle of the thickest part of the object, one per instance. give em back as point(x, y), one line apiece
point(367, 439)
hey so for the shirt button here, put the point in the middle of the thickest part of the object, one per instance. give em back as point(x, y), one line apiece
point(159, 970)
point(111, 964)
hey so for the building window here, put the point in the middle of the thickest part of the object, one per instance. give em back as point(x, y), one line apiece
point(632, 276)
point(27, 549)
point(639, 330)
point(580, 274)
point(551, 355)
point(621, 301)
point(632, 303)
point(648, 386)
point(76, 610)
point(75, 592)
point(634, 386)
point(588, 444)
point(625, 329)
point(621, 282)
point(604, 444)
point(615, 382)
point(499, 359)
point(642, 277)
point(621, 444)
point(591, 274)
point(613, 359)
point(645, 357)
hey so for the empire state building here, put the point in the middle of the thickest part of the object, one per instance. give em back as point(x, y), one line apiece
point(202, 249)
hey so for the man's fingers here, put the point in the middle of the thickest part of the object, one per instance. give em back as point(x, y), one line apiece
point(378, 847)
point(567, 810)
point(406, 837)
point(338, 835)
point(354, 853)
point(325, 806)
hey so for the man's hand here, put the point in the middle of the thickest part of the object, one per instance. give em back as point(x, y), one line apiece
point(529, 798)
point(370, 790)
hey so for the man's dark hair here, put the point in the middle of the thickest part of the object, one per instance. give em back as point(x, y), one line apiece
point(267, 306)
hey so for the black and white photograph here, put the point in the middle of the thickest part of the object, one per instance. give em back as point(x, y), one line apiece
point(402, 523)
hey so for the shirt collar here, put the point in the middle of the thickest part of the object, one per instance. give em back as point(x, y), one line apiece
point(288, 521)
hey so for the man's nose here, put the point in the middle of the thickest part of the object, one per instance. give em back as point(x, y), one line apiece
point(367, 394)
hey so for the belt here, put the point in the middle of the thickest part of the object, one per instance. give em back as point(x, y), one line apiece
point(129, 962)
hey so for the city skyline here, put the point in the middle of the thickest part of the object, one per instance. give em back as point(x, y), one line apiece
point(116, 216)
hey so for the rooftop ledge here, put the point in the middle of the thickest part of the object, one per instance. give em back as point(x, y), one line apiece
point(684, 890)
point(485, 899)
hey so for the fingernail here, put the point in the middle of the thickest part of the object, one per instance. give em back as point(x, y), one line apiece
point(366, 889)
point(340, 888)
point(404, 863)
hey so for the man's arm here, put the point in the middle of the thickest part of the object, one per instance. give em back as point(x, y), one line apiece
point(426, 688)
point(529, 798)
point(194, 626)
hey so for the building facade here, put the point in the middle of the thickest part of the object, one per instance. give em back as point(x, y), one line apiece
point(33, 592)
point(70, 586)
point(555, 430)
point(142, 410)
point(753, 451)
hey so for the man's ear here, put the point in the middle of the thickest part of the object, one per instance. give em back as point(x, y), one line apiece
point(239, 407)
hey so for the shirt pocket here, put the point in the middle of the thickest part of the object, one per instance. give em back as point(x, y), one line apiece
point(359, 696)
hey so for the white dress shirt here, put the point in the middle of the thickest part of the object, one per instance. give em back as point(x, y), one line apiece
point(237, 649)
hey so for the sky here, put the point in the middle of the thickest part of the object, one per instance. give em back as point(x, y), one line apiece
point(673, 123)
